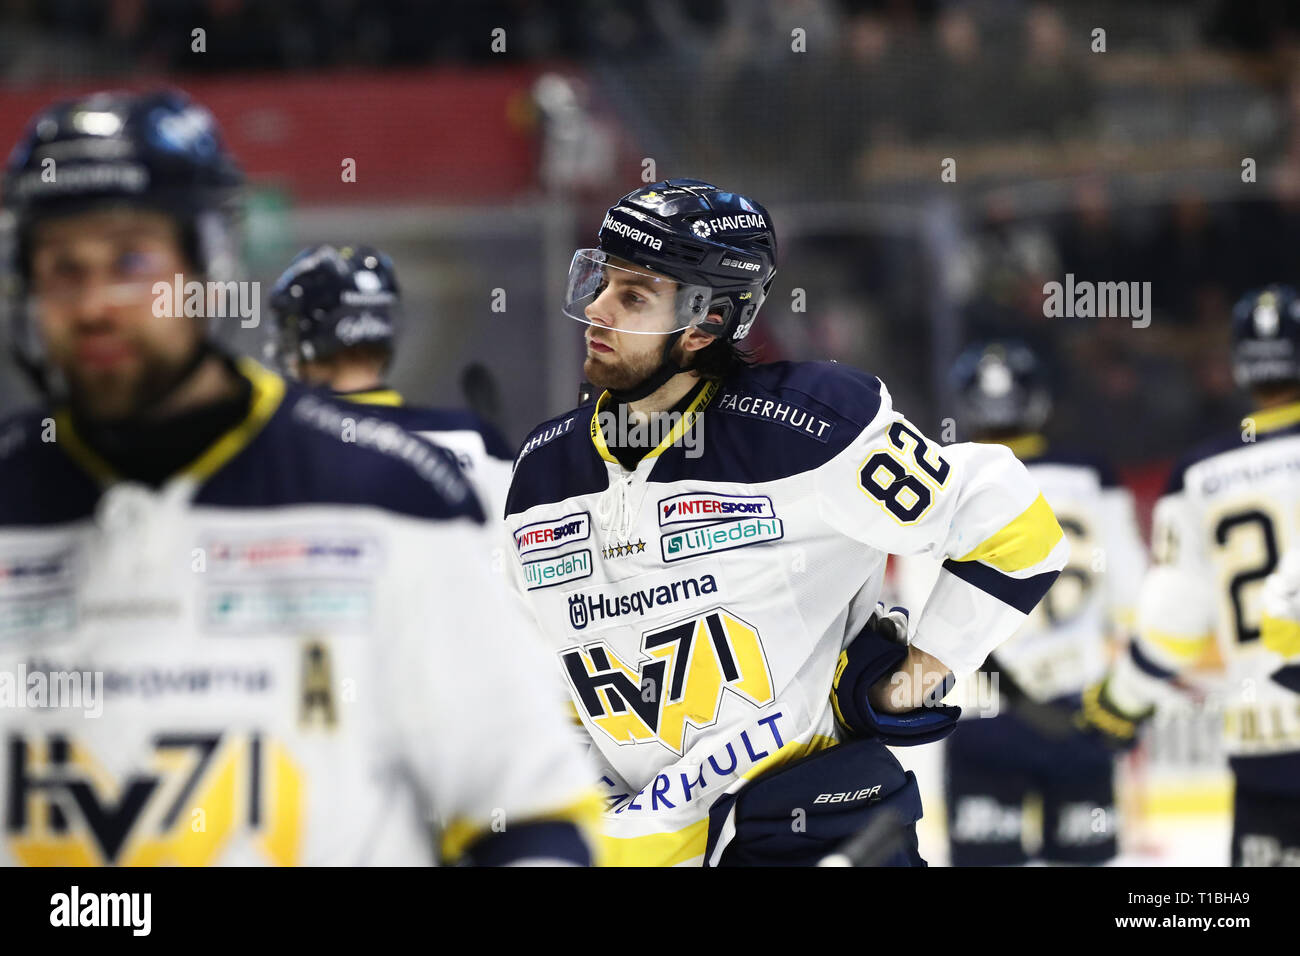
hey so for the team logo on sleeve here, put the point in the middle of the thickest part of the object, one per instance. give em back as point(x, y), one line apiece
point(695, 508)
point(685, 670)
point(544, 535)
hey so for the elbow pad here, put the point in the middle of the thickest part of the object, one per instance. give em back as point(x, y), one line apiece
point(875, 653)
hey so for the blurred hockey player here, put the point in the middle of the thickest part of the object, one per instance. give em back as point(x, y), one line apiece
point(1024, 746)
point(1230, 512)
point(705, 543)
point(1279, 627)
point(336, 313)
point(227, 634)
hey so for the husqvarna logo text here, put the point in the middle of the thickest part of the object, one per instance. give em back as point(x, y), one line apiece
point(586, 608)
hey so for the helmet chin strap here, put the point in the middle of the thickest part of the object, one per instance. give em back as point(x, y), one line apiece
point(656, 379)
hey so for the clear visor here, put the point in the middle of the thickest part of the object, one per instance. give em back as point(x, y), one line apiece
point(612, 293)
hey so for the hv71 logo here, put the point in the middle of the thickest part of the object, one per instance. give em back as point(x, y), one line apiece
point(197, 793)
point(684, 672)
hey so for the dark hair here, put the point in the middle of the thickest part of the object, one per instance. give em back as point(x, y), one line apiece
point(721, 358)
point(374, 352)
point(1276, 390)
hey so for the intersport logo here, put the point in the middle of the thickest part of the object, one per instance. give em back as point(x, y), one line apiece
point(544, 535)
point(693, 507)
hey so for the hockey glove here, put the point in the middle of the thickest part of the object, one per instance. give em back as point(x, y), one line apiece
point(876, 652)
point(1105, 720)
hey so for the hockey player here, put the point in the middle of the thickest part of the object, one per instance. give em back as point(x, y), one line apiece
point(1279, 627)
point(227, 635)
point(1025, 745)
point(1230, 512)
point(704, 546)
point(336, 315)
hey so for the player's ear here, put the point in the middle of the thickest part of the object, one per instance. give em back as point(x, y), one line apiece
point(693, 340)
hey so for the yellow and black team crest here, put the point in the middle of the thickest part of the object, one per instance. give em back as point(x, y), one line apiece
point(685, 669)
point(199, 792)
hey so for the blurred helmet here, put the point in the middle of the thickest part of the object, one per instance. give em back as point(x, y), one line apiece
point(331, 298)
point(160, 150)
point(1266, 337)
point(718, 246)
point(1001, 386)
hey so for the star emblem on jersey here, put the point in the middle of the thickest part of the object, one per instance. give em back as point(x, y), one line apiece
point(623, 550)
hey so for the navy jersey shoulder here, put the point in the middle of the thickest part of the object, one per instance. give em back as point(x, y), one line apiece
point(557, 460)
point(765, 422)
point(1104, 470)
point(847, 393)
point(300, 456)
point(313, 450)
point(39, 484)
point(775, 420)
point(417, 419)
point(1217, 446)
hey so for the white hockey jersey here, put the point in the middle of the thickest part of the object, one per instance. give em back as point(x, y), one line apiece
point(1061, 647)
point(1231, 511)
point(698, 604)
point(294, 652)
point(1279, 626)
point(480, 450)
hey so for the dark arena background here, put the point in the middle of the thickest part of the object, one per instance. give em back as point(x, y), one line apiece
point(930, 167)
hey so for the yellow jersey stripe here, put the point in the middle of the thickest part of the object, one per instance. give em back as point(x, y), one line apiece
point(656, 849)
point(1179, 646)
point(377, 396)
point(682, 426)
point(1271, 419)
point(81, 453)
point(268, 392)
point(597, 434)
point(688, 418)
point(1025, 541)
point(1030, 445)
point(1280, 635)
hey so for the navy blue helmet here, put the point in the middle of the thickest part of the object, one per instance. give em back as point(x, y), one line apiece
point(718, 245)
point(1001, 386)
point(1266, 337)
point(331, 298)
point(160, 150)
